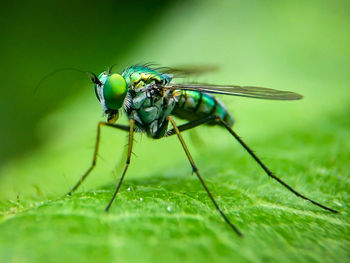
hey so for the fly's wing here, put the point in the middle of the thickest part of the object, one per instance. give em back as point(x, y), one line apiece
point(243, 91)
point(187, 70)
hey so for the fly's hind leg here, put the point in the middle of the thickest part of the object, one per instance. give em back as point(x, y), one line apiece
point(199, 122)
point(195, 170)
point(94, 159)
point(267, 170)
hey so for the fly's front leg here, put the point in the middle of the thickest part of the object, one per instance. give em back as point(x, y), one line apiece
point(94, 159)
point(131, 140)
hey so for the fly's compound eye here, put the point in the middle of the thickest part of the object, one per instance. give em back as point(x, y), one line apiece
point(114, 91)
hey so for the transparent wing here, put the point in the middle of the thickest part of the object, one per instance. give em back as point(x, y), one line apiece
point(243, 91)
point(186, 71)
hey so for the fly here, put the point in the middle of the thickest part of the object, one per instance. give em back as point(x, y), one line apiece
point(150, 99)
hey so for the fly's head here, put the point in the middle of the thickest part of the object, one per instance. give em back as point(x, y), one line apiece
point(110, 90)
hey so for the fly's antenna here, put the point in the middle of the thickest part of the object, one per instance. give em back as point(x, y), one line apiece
point(109, 70)
point(91, 75)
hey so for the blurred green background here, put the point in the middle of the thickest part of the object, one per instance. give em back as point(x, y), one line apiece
point(48, 137)
point(39, 37)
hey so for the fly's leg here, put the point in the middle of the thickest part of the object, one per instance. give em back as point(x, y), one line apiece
point(93, 164)
point(267, 170)
point(131, 139)
point(195, 170)
point(199, 122)
point(191, 125)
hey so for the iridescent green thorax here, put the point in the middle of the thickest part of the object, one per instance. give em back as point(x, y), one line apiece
point(149, 110)
point(138, 76)
point(148, 106)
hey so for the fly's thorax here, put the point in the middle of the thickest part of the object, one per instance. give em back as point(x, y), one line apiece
point(194, 105)
point(139, 76)
point(149, 109)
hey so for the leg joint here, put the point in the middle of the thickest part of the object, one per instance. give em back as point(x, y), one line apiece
point(194, 168)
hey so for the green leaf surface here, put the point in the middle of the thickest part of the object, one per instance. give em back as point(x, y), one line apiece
point(162, 213)
point(167, 215)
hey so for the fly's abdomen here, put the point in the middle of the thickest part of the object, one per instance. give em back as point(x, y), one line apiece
point(194, 105)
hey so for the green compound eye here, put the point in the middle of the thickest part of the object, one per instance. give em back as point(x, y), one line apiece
point(114, 91)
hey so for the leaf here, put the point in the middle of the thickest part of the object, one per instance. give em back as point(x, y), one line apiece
point(168, 216)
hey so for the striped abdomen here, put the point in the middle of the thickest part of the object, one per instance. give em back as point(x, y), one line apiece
point(194, 105)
